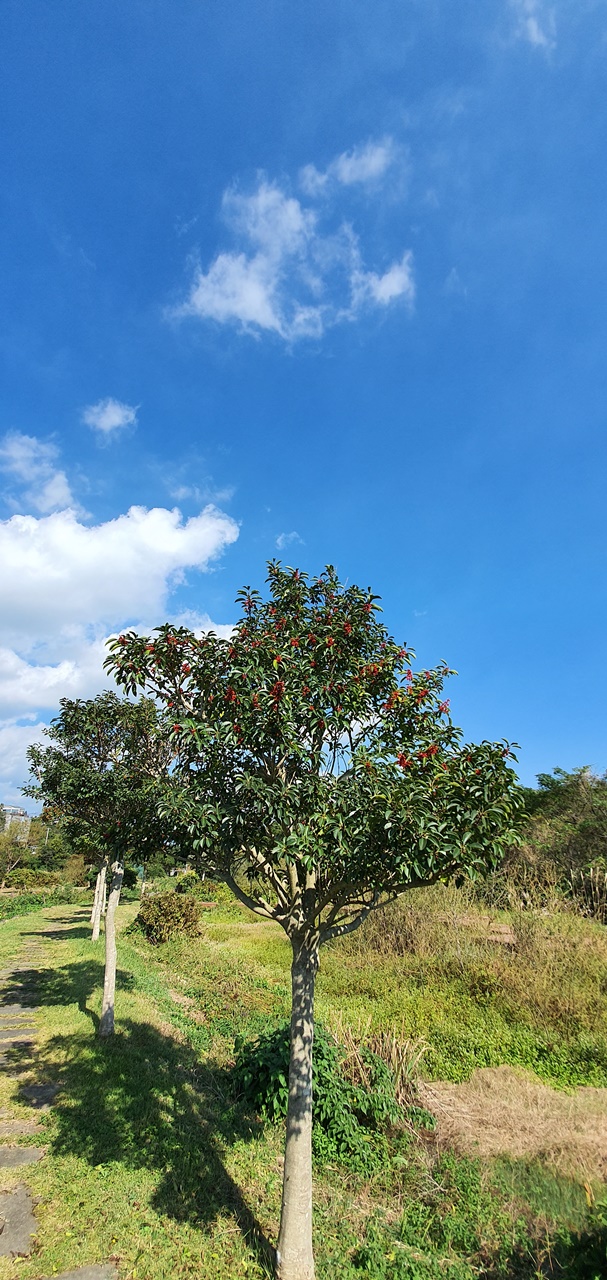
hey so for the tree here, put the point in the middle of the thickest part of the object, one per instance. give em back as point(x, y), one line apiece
point(318, 777)
point(12, 851)
point(99, 774)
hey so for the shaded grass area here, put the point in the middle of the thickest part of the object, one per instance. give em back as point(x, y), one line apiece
point(153, 1163)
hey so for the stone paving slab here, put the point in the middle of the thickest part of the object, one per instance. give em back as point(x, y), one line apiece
point(18, 1035)
point(17, 1221)
point(40, 1095)
point(13, 1157)
point(19, 1128)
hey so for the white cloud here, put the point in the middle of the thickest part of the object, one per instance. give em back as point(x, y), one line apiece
point(65, 586)
point(287, 274)
point(57, 572)
point(286, 539)
point(535, 23)
point(14, 740)
point(362, 165)
point(396, 282)
point(109, 415)
point(31, 463)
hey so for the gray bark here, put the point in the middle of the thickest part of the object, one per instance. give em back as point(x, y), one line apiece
point(95, 897)
point(104, 898)
point(106, 1023)
point(99, 902)
point(294, 1256)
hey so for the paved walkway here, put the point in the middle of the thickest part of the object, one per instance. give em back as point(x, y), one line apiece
point(18, 989)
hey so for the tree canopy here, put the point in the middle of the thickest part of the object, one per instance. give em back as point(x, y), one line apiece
point(99, 773)
point(306, 744)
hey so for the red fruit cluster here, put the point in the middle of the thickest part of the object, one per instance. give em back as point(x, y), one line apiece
point(277, 690)
point(402, 760)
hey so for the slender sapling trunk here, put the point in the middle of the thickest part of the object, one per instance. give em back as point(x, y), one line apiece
point(95, 897)
point(106, 1023)
point(294, 1256)
point(104, 899)
point(98, 901)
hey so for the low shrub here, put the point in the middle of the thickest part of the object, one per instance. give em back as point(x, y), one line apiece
point(21, 904)
point(349, 1117)
point(27, 878)
point(167, 915)
point(191, 883)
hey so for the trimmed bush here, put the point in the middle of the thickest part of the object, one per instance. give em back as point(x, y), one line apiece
point(168, 915)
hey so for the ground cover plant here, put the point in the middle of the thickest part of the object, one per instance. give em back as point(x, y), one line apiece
point(318, 777)
point(154, 1162)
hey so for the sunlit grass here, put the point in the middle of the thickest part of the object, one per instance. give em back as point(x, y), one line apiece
point(152, 1163)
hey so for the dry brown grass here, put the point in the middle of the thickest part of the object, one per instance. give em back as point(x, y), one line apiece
point(505, 1111)
point(402, 1055)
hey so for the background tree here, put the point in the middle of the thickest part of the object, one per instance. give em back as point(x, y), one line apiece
point(563, 852)
point(99, 773)
point(319, 777)
point(12, 853)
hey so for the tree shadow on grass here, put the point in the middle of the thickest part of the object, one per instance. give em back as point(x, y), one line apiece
point(148, 1102)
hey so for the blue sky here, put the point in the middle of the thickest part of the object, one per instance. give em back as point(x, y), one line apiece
point(323, 282)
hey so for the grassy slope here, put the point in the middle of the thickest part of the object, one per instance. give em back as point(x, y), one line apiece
point(149, 1161)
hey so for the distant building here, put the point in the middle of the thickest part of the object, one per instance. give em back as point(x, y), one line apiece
point(17, 820)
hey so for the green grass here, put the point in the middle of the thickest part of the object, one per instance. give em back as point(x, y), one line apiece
point(152, 1162)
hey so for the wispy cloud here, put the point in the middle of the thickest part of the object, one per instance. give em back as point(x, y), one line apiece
point(109, 415)
point(287, 539)
point(32, 464)
point(202, 493)
point(535, 23)
point(290, 274)
point(362, 165)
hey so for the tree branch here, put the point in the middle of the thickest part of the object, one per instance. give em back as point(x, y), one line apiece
point(258, 905)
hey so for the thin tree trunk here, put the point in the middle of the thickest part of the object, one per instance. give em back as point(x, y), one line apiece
point(294, 1257)
point(106, 1023)
point(95, 897)
point(98, 902)
point(104, 898)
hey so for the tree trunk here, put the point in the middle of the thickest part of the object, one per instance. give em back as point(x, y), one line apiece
point(95, 897)
point(106, 1023)
point(104, 898)
point(98, 902)
point(294, 1257)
